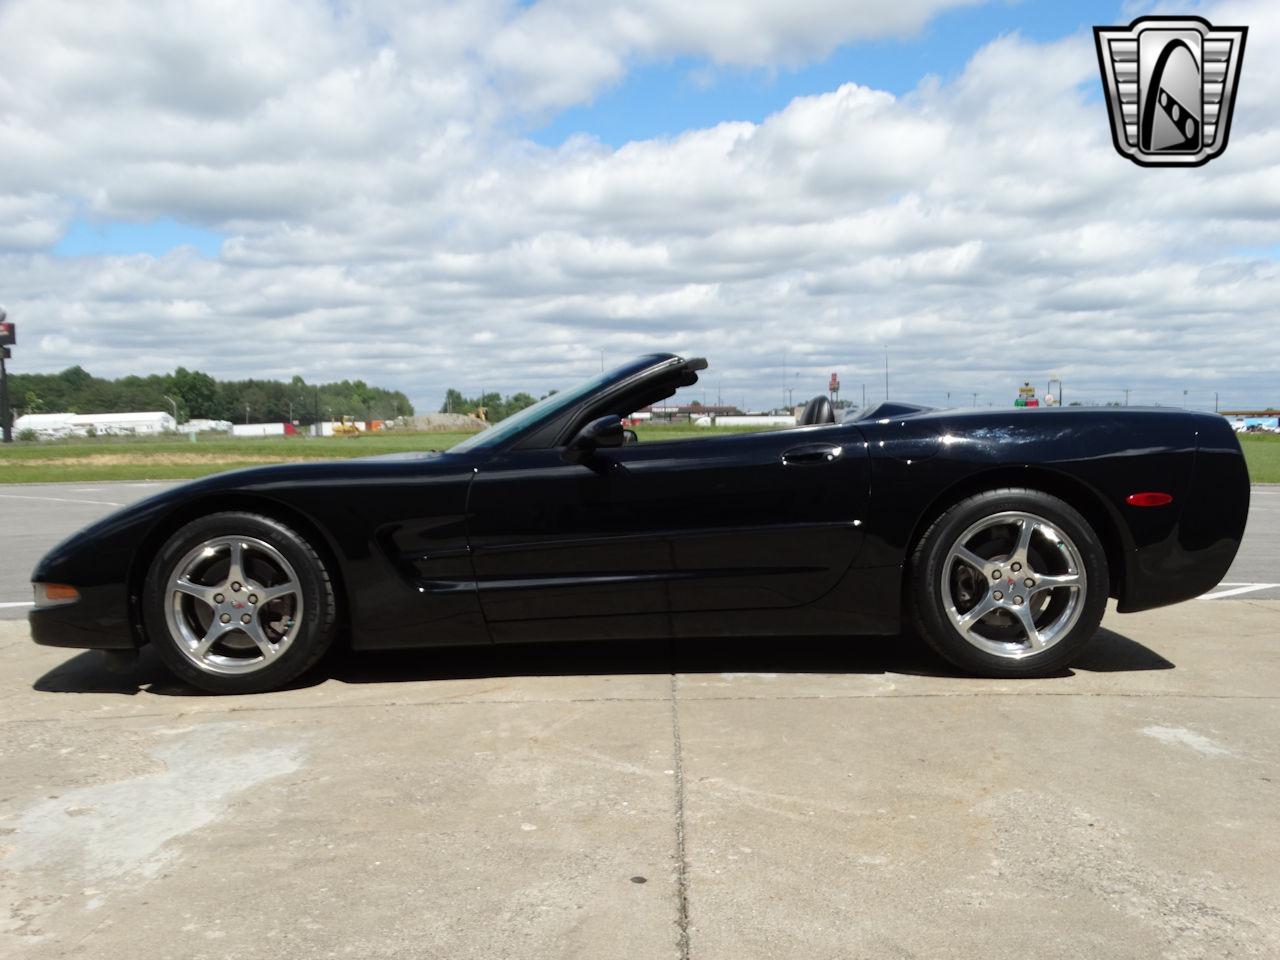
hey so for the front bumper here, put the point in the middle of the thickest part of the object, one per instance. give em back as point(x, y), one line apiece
point(99, 620)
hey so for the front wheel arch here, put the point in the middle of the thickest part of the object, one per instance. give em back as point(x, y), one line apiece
point(225, 503)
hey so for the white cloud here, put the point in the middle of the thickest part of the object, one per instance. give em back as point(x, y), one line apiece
point(386, 224)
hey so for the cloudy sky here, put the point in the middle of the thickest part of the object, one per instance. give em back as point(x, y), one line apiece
point(492, 194)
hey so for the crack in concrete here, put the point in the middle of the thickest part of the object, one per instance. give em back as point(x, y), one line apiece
point(682, 863)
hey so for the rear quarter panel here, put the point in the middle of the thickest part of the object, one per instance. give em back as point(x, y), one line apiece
point(1094, 458)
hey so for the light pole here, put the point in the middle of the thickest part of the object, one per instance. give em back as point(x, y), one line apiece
point(784, 377)
point(173, 403)
point(246, 413)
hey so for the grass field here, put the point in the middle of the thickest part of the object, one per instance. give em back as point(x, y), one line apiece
point(1262, 453)
point(177, 458)
point(167, 458)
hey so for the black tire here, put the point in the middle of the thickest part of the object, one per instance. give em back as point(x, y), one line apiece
point(928, 596)
point(300, 648)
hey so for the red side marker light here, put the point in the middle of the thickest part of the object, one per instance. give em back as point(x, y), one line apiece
point(1148, 499)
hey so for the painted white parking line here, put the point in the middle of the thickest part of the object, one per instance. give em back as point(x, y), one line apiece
point(11, 604)
point(96, 503)
point(1237, 590)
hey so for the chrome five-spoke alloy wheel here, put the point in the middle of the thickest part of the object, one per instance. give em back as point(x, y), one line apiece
point(233, 605)
point(1013, 584)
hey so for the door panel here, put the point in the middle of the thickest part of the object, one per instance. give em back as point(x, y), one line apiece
point(702, 524)
point(553, 539)
point(765, 526)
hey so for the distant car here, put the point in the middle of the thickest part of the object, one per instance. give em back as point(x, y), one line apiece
point(998, 534)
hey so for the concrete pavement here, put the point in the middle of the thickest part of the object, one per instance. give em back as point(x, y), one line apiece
point(821, 799)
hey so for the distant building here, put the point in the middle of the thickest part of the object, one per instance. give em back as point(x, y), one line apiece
point(53, 425)
point(45, 425)
point(687, 411)
point(747, 420)
point(200, 425)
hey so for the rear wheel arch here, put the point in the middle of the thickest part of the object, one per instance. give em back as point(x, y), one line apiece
point(247, 503)
point(1074, 492)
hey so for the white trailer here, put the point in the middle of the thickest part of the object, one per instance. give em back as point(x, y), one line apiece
point(257, 429)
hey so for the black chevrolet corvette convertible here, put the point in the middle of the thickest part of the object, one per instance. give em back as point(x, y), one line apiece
point(997, 534)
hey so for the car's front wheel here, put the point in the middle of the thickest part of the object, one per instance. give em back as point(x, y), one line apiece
point(1009, 583)
point(238, 603)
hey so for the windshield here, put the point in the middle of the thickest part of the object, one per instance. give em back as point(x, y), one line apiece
point(548, 406)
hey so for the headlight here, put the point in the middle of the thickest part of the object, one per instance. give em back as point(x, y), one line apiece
point(54, 594)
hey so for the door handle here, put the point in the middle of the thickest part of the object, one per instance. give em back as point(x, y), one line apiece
point(812, 453)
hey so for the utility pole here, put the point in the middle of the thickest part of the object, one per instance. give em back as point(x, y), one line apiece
point(1215, 401)
point(864, 396)
point(975, 398)
point(246, 413)
point(1126, 395)
point(7, 338)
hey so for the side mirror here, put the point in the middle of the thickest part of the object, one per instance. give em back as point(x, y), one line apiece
point(630, 436)
point(604, 432)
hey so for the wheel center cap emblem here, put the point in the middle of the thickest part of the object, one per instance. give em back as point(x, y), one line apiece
point(238, 605)
point(1010, 581)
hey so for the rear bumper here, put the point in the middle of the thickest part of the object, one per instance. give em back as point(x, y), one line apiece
point(1200, 547)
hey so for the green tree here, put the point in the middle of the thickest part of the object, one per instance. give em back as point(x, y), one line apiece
point(197, 391)
point(75, 390)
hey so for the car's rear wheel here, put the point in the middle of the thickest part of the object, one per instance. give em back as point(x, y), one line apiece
point(1009, 583)
point(238, 603)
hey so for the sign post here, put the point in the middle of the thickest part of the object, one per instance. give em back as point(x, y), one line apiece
point(8, 337)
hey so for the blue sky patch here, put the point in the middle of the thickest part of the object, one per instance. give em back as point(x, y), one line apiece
point(667, 98)
point(86, 238)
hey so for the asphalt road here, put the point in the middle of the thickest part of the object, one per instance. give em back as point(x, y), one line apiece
point(33, 517)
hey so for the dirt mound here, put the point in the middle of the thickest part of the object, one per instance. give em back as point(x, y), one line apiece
point(447, 423)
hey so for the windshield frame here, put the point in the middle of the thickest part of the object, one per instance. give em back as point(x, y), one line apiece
point(511, 430)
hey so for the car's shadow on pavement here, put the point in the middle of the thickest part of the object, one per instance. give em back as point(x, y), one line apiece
point(89, 672)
